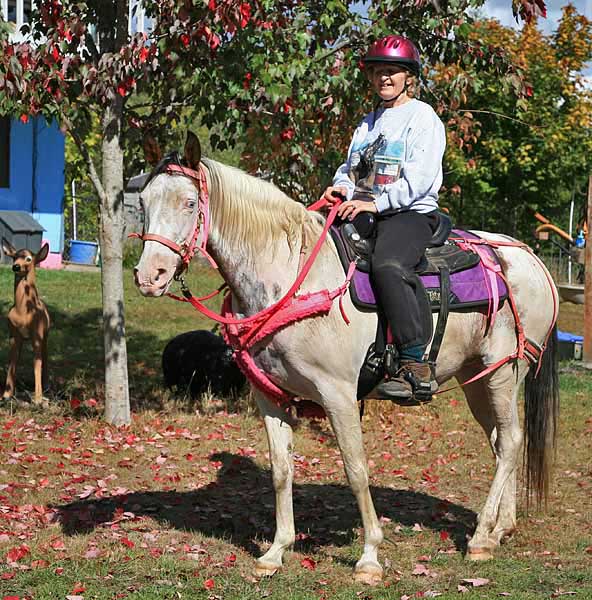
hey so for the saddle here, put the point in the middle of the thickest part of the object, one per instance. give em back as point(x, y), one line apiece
point(453, 279)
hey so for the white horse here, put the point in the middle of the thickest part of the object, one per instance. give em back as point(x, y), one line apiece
point(256, 236)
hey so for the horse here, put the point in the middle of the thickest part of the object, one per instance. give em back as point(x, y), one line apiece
point(258, 237)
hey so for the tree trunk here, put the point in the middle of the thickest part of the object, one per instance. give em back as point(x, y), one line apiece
point(117, 407)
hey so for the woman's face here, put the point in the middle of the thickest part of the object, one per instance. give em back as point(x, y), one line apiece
point(389, 81)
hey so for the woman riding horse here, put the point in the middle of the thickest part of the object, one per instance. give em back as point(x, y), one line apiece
point(394, 169)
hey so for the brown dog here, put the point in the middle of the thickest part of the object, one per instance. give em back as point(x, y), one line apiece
point(27, 319)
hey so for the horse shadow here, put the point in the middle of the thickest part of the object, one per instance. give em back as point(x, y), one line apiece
point(239, 507)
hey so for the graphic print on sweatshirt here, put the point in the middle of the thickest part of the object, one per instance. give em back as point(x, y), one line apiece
point(376, 165)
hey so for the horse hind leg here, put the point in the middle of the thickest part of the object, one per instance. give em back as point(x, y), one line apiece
point(279, 437)
point(493, 402)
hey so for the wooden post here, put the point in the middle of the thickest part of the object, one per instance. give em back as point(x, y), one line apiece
point(587, 357)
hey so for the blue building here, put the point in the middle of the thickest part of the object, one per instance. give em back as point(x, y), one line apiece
point(32, 156)
point(32, 174)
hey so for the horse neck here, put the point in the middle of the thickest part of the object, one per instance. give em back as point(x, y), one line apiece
point(257, 275)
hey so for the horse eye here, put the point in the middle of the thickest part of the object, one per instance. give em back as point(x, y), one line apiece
point(190, 204)
point(28, 259)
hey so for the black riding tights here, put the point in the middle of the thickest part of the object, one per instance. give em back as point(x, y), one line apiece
point(401, 240)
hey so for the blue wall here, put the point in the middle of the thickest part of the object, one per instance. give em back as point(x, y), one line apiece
point(37, 176)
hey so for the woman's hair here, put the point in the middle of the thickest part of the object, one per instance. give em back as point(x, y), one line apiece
point(412, 86)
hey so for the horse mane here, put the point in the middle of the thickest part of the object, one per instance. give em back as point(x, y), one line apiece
point(254, 212)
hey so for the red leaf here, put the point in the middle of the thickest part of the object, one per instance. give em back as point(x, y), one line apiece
point(11, 598)
point(78, 588)
point(57, 544)
point(444, 535)
point(209, 584)
point(15, 554)
point(24, 118)
point(127, 542)
point(8, 575)
point(75, 403)
point(308, 563)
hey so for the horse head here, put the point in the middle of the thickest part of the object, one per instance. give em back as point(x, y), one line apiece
point(174, 212)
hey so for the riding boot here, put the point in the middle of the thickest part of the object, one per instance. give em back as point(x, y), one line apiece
point(413, 384)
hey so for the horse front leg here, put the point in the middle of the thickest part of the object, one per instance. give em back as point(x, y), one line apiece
point(279, 437)
point(344, 416)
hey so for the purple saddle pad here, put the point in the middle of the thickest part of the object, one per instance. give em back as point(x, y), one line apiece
point(468, 288)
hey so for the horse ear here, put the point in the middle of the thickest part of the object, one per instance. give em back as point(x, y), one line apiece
point(8, 248)
point(192, 152)
point(42, 254)
point(152, 152)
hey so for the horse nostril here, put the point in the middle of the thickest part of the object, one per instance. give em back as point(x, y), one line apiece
point(159, 274)
point(16, 268)
point(136, 276)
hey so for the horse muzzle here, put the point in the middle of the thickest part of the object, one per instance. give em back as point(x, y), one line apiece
point(153, 282)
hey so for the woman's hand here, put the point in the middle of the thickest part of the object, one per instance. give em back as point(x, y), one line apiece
point(352, 208)
point(332, 194)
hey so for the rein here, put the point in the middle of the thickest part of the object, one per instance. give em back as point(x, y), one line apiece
point(242, 333)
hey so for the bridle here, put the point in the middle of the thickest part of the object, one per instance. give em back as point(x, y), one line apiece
point(201, 221)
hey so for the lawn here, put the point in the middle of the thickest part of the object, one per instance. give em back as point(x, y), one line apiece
point(178, 504)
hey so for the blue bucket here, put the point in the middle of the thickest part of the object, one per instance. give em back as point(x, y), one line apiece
point(83, 253)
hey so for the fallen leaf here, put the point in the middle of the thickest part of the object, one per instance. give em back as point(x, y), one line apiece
point(15, 554)
point(209, 584)
point(477, 582)
point(420, 570)
point(308, 563)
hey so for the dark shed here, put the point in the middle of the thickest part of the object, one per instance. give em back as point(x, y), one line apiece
point(21, 230)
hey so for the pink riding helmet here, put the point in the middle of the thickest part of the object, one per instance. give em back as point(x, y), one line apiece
point(395, 49)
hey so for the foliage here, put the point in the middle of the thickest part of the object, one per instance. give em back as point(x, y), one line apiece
point(511, 156)
point(284, 77)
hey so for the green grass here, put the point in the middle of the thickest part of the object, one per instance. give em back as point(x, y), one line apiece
point(181, 498)
point(76, 336)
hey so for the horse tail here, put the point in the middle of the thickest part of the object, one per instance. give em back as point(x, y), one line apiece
point(541, 412)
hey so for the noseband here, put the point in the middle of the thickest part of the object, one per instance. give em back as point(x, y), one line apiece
point(201, 221)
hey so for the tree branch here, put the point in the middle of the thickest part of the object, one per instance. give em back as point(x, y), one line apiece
point(500, 115)
point(92, 171)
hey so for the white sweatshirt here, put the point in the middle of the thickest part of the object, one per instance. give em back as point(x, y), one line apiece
point(395, 158)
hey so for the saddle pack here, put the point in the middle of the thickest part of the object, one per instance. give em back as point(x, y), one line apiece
point(452, 278)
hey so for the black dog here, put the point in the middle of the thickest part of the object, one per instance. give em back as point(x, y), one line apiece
point(198, 361)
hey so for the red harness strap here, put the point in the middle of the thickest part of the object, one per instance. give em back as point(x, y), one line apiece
point(525, 348)
point(242, 334)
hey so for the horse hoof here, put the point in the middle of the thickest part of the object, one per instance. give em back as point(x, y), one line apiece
point(476, 554)
point(264, 570)
point(368, 575)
